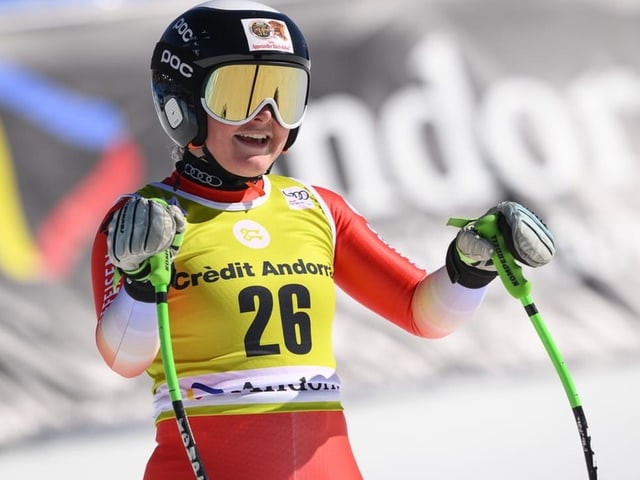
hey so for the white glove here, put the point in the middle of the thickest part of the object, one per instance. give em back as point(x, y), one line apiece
point(526, 237)
point(474, 250)
point(141, 228)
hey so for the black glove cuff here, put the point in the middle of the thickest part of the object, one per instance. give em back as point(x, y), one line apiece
point(138, 288)
point(466, 275)
point(143, 290)
point(140, 291)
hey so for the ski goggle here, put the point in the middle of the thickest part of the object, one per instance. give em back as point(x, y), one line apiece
point(235, 94)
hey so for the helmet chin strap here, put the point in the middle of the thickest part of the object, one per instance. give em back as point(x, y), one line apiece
point(199, 165)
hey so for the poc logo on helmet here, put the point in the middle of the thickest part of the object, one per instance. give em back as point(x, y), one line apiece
point(174, 62)
point(183, 30)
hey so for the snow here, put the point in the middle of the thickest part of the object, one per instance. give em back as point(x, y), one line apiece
point(466, 428)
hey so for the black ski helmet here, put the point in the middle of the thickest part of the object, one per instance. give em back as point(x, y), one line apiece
point(211, 34)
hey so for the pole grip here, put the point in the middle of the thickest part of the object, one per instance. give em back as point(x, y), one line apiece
point(509, 271)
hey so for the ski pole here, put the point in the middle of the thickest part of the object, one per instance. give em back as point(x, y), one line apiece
point(160, 279)
point(519, 287)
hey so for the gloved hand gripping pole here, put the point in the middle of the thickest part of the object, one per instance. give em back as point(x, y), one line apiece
point(160, 279)
point(519, 287)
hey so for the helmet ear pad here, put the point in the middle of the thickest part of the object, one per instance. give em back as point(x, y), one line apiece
point(179, 111)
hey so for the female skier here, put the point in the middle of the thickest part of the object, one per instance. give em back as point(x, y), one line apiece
point(251, 301)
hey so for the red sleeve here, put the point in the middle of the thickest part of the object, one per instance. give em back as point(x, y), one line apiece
point(368, 269)
point(102, 269)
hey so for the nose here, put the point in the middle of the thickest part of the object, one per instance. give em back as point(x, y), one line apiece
point(265, 114)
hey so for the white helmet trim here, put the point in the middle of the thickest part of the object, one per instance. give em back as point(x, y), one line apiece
point(237, 5)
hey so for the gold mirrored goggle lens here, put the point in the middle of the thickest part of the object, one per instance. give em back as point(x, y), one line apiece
point(236, 93)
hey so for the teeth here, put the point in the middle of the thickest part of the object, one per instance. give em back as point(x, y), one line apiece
point(254, 136)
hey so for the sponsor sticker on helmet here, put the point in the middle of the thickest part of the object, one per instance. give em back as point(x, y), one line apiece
point(267, 34)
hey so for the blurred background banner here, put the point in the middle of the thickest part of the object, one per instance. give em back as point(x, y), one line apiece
point(420, 110)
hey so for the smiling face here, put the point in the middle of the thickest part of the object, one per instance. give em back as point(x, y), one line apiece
point(247, 150)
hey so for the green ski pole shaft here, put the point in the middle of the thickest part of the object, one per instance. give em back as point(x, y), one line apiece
point(519, 287)
point(160, 279)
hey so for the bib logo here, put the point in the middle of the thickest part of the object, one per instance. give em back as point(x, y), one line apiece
point(297, 198)
point(251, 234)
